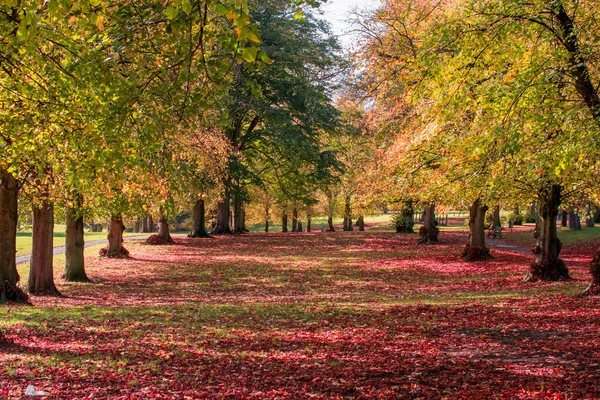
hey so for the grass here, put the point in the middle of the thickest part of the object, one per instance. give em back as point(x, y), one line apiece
point(24, 238)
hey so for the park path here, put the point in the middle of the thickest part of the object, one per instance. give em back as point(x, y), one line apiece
point(500, 244)
point(61, 249)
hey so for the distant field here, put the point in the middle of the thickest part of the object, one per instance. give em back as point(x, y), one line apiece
point(24, 238)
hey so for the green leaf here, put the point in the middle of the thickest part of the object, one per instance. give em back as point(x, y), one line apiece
point(186, 6)
point(22, 33)
point(249, 54)
point(171, 12)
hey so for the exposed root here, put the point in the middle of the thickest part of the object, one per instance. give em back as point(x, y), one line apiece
point(13, 293)
point(475, 253)
point(156, 240)
point(548, 271)
point(123, 254)
point(428, 235)
point(592, 290)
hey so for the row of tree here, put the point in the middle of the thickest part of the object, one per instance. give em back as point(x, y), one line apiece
point(113, 109)
point(477, 102)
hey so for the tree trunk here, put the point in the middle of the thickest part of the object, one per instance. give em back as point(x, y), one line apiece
point(574, 221)
point(496, 217)
point(299, 227)
point(361, 223)
point(331, 228)
point(75, 245)
point(267, 226)
point(163, 228)
point(294, 219)
point(308, 223)
point(139, 226)
point(547, 265)
point(243, 218)
point(9, 196)
point(589, 216)
point(199, 221)
point(429, 231)
point(564, 220)
point(476, 250)
point(284, 222)
point(348, 215)
point(148, 224)
point(222, 226)
point(115, 238)
point(238, 216)
point(41, 272)
point(407, 221)
point(594, 288)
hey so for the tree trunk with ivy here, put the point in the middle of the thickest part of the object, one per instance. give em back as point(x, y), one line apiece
point(405, 221)
point(75, 244)
point(9, 196)
point(330, 227)
point(308, 223)
point(41, 270)
point(547, 265)
point(429, 231)
point(476, 250)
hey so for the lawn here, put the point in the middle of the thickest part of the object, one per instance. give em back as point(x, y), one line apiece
point(24, 238)
point(323, 315)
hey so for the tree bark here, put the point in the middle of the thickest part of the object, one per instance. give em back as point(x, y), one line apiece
point(75, 245)
point(9, 196)
point(564, 220)
point(496, 217)
point(41, 272)
point(348, 215)
point(284, 222)
point(574, 221)
point(163, 228)
point(299, 227)
point(429, 231)
point(361, 223)
point(589, 216)
point(476, 250)
point(407, 218)
point(308, 223)
point(139, 226)
point(222, 226)
point(199, 221)
point(115, 238)
point(330, 226)
point(238, 216)
point(547, 265)
point(148, 224)
point(294, 219)
point(594, 288)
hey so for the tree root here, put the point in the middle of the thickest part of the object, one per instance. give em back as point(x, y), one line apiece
point(156, 240)
point(548, 271)
point(428, 235)
point(13, 293)
point(592, 290)
point(475, 253)
point(123, 254)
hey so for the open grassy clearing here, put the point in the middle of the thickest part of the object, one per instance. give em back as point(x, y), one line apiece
point(341, 315)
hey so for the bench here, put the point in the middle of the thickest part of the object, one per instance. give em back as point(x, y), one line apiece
point(494, 232)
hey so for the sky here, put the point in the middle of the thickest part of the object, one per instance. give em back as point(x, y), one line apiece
point(337, 13)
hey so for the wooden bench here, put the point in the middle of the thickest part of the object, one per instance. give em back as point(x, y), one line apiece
point(494, 232)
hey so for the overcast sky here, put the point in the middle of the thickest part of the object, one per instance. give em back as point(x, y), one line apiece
point(337, 13)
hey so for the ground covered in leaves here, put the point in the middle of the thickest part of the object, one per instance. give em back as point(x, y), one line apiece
point(289, 316)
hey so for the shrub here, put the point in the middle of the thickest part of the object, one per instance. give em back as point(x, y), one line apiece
point(517, 219)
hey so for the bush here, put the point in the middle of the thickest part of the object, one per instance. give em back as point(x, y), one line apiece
point(530, 217)
point(517, 219)
point(403, 222)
